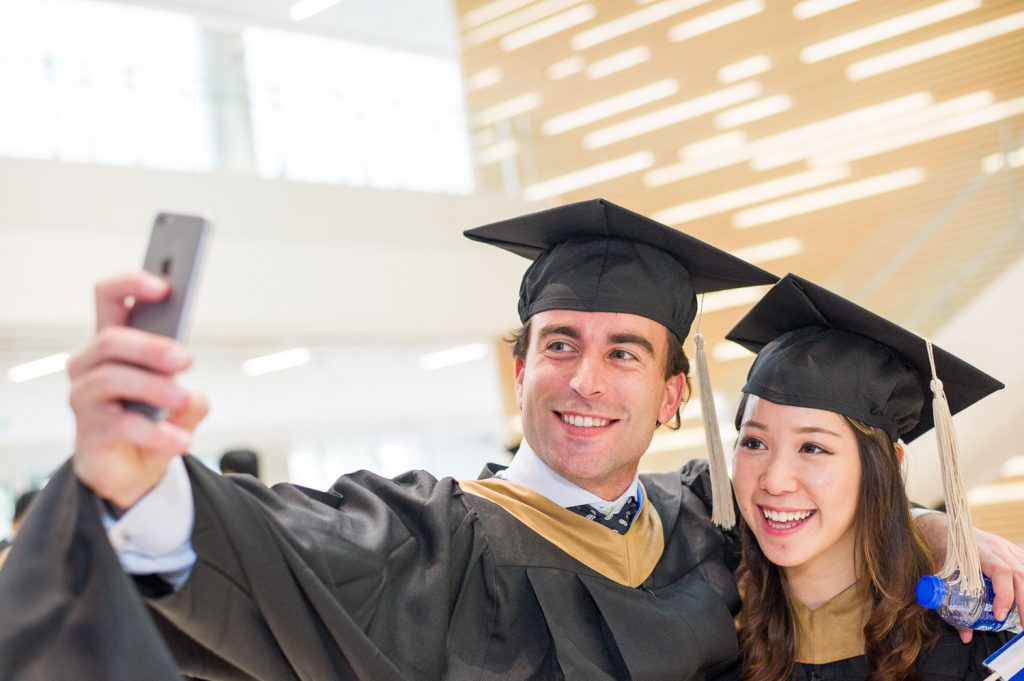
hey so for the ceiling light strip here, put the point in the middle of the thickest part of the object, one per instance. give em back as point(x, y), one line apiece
point(745, 196)
point(548, 27)
point(701, 157)
point(586, 177)
point(727, 351)
point(674, 172)
point(806, 136)
point(1012, 467)
point(826, 198)
point(38, 368)
point(912, 54)
point(651, 14)
point(671, 115)
point(854, 137)
point(726, 142)
point(508, 109)
point(618, 62)
point(711, 21)
point(565, 68)
point(484, 78)
point(842, 123)
point(924, 133)
point(497, 152)
point(993, 163)
point(491, 11)
point(610, 107)
point(884, 30)
point(512, 22)
point(278, 361)
point(770, 250)
point(724, 300)
point(453, 356)
point(744, 69)
point(484, 137)
point(754, 111)
point(812, 8)
point(993, 494)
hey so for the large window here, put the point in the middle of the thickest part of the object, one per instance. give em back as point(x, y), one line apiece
point(101, 82)
point(333, 111)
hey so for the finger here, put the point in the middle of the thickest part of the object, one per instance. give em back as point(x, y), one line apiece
point(131, 346)
point(194, 410)
point(1002, 584)
point(127, 440)
point(156, 438)
point(112, 382)
point(1018, 581)
point(966, 634)
point(111, 295)
point(1018, 584)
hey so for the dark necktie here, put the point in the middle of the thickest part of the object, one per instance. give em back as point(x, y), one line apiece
point(617, 522)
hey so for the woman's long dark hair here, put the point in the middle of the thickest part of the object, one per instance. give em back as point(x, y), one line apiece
point(891, 555)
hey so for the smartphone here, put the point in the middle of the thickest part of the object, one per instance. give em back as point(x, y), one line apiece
point(175, 252)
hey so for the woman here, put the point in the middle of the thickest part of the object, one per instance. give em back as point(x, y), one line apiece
point(831, 556)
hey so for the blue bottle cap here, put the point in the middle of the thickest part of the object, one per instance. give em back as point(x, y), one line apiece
point(930, 591)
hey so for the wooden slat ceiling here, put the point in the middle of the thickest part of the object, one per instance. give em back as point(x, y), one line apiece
point(914, 253)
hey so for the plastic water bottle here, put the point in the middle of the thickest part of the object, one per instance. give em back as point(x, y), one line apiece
point(961, 609)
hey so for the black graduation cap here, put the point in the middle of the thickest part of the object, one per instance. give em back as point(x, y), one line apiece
point(596, 256)
point(819, 350)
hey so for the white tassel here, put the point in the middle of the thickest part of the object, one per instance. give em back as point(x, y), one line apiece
point(722, 512)
point(961, 550)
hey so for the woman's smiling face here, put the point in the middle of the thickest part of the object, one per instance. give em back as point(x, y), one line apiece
point(797, 474)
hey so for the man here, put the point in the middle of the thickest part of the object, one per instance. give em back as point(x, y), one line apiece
point(417, 578)
point(20, 509)
point(240, 461)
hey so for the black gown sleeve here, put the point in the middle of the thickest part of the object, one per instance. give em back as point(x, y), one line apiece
point(67, 610)
point(360, 583)
point(696, 475)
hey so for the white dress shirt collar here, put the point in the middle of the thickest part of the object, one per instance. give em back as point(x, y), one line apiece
point(527, 469)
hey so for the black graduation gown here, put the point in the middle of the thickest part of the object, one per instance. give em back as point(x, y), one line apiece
point(948, 660)
point(389, 579)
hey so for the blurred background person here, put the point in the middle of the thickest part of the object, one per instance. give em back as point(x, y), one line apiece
point(20, 509)
point(240, 461)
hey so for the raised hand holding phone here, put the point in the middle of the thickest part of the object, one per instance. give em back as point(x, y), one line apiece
point(175, 251)
point(120, 453)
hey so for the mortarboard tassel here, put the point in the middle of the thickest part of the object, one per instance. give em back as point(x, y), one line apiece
point(961, 550)
point(723, 512)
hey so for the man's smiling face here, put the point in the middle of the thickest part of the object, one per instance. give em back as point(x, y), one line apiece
point(592, 389)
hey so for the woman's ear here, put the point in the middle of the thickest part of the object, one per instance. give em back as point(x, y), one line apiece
point(898, 448)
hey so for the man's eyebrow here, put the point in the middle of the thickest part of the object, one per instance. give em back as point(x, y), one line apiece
point(559, 330)
point(633, 339)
